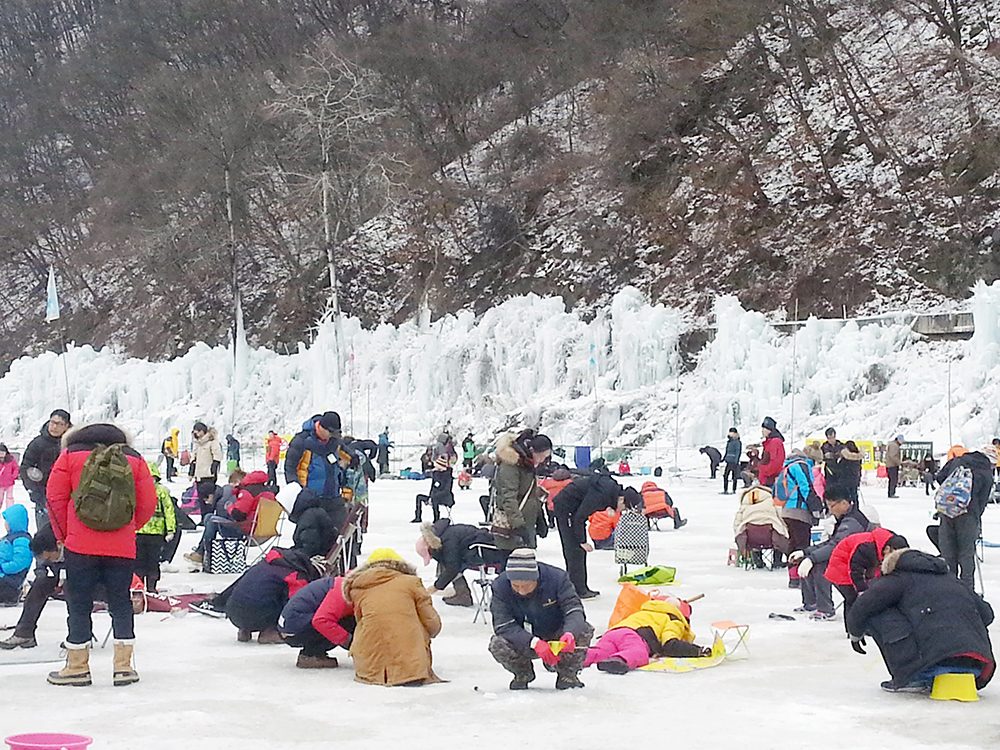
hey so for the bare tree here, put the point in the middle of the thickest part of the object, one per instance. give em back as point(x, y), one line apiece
point(338, 157)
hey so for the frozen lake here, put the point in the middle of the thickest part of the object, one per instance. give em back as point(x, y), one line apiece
point(802, 686)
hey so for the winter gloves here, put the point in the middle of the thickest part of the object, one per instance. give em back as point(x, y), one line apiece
point(857, 641)
point(804, 567)
point(544, 651)
point(544, 648)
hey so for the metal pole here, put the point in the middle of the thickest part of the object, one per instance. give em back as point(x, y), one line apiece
point(950, 441)
point(677, 404)
point(795, 338)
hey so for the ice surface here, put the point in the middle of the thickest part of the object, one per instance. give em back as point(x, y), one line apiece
point(802, 685)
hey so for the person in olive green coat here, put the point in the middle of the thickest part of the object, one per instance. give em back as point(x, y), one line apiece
point(515, 496)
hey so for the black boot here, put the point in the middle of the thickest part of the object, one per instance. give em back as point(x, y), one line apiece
point(417, 511)
point(463, 594)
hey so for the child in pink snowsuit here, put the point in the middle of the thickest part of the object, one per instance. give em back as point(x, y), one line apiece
point(659, 628)
point(9, 471)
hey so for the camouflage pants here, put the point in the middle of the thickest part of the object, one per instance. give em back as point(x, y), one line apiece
point(518, 661)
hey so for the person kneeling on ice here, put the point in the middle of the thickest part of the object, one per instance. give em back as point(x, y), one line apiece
point(455, 548)
point(855, 561)
point(924, 621)
point(44, 547)
point(817, 591)
point(15, 553)
point(659, 628)
point(530, 594)
point(256, 600)
point(396, 621)
point(315, 620)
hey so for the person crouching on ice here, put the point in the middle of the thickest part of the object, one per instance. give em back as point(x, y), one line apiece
point(534, 604)
point(396, 621)
point(659, 628)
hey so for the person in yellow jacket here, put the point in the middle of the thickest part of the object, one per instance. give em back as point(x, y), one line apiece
point(659, 628)
point(159, 530)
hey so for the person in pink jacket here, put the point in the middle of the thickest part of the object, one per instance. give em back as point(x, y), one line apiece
point(9, 472)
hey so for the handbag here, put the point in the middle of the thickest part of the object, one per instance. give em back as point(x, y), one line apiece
point(226, 556)
point(185, 458)
point(501, 527)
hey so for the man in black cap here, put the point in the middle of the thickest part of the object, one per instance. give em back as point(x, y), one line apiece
point(311, 457)
point(36, 464)
point(534, 605)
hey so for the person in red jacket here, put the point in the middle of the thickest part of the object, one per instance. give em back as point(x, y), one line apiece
point(773, 457)
point(94, 557)
point(272, 455)
point(855, 561)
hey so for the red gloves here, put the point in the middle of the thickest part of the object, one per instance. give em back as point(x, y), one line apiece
point(544, 651)
point(570, 640)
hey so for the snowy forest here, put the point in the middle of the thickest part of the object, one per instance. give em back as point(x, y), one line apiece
point(387, 157)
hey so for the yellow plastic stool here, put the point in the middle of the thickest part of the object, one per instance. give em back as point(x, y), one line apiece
point(955, 687)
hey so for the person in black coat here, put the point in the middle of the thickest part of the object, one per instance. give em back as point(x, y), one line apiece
point(714, 457)
point(36, 463)
point(534, 603)
point(923, 621)
point(572, 507)
point(453, 547)
point(957, 536)
point(253, 603)
point(318, 521)
point(734, 451)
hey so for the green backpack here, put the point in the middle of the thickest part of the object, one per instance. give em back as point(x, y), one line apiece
point(105, 498)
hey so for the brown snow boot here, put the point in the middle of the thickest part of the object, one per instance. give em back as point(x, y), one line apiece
point(124, 674)
point(77, 669)
point(269, 636)
point(463, 594)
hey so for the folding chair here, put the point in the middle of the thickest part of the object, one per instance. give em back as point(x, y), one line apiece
point(737, 636)
point(266, 530)
point(339, 558)
point(487, 572)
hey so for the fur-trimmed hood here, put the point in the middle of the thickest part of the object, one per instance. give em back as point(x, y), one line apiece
point(373, 574)
point(914, 561)
point(208, 437)
point(432, 533)
point(506, 451)
point(848, 455)
point(93, 434)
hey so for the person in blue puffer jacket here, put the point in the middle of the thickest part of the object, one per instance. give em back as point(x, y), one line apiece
point(791, 488)
point(15, 554)
point(311, 457)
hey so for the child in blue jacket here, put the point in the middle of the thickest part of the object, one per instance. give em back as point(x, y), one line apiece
point(15, 554)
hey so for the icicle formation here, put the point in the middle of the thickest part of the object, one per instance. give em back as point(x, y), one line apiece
point(526, 352)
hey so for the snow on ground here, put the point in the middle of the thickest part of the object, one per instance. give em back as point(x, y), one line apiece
point(802, 685)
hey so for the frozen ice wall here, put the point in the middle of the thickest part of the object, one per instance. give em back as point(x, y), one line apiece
point(610, 379)
point(520, 356)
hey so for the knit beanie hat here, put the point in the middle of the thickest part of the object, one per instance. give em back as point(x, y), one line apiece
point(384, 553)
point(330, 420)
point(522, 566)
point(769, 424)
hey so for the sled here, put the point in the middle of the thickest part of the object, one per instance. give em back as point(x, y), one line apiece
point(688, 664)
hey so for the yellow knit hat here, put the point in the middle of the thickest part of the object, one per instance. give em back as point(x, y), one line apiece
point(384, 553)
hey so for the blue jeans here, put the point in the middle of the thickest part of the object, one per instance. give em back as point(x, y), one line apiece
point(84, 573)
point(217, 526)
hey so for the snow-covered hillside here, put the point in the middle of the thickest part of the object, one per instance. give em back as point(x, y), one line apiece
point(608, 382)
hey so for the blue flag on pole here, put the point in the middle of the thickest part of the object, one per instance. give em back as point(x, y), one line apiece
point(52, 305)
